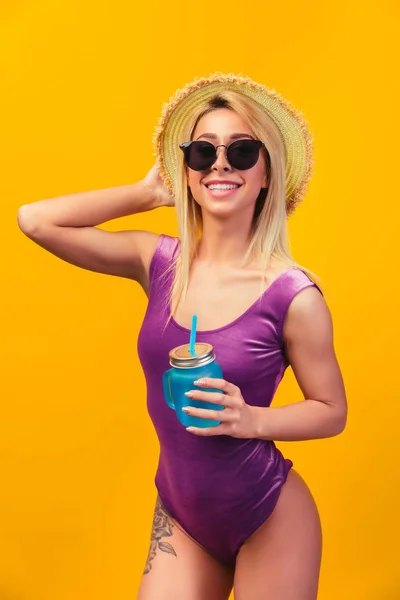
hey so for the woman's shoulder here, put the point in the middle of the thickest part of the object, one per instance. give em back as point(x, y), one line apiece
point(291, 270)
point(278, 268)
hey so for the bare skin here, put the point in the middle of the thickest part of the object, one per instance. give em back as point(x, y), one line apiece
point(213, 302)
point(281, 560)
point(161, 531)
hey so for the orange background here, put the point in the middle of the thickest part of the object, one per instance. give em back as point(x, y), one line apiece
point(82, 88)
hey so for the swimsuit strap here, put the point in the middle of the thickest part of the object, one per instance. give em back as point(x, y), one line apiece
point(283, 292)
point(160, 273)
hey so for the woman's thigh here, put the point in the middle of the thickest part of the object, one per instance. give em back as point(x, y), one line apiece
point(281, 560)
point(178, 567)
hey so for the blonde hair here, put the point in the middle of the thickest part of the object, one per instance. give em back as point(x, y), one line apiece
point(269, 233)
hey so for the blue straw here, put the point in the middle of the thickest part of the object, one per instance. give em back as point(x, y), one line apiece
point(193, 336)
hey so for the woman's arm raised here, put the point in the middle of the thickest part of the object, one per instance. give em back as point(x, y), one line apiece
point(66, 227)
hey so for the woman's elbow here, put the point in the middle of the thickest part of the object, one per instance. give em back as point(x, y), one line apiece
point(340, 421)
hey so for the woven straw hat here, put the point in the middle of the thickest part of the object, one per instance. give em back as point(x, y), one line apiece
point(294, 130)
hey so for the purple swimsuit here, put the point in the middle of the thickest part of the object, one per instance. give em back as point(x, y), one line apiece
point(220, 489)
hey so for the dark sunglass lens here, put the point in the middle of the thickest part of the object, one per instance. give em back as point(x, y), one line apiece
point(243, 154)
point(200, 155)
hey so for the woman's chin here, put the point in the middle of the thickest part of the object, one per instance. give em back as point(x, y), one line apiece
point(223, 210)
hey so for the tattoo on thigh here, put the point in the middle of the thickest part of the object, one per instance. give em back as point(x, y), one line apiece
point(162, 527)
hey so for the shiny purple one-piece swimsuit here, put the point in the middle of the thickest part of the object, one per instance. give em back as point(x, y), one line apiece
point(219, 489)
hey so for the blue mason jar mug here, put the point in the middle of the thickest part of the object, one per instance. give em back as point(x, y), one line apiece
point(186, 369)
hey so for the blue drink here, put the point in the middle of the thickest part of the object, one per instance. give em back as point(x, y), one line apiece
point(186, 369)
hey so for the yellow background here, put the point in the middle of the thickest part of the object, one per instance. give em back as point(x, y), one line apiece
point(83, 84)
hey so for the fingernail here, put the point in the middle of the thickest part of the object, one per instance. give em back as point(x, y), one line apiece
point(189, 394)
point(199, 382)
point(189, 428)
point(186, 409)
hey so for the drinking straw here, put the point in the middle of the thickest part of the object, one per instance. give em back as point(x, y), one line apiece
point(193, 336)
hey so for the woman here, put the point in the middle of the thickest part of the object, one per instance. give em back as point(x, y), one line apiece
point(235, 159)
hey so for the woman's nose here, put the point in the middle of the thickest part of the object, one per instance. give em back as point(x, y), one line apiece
point(221, 161)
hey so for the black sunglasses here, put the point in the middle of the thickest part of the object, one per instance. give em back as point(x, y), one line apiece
point(241, 155)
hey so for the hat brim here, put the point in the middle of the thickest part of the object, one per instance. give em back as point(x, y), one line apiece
point(293, 129)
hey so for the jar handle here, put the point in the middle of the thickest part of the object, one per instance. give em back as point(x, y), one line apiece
point(167, 389)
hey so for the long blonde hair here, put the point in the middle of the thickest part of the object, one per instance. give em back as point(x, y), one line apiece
point(269, 233)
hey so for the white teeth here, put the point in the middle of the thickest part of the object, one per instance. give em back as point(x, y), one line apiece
point(222, 186)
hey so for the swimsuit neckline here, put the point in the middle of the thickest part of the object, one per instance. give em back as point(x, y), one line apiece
point(248, 311)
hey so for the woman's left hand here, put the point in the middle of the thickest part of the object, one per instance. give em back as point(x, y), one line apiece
point(238, 419)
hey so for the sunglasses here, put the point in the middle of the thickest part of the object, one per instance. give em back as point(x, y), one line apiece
point(241, 155)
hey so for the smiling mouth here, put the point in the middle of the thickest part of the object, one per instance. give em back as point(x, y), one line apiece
point(223, 186)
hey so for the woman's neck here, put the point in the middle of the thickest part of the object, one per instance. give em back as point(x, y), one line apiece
point(223, 245)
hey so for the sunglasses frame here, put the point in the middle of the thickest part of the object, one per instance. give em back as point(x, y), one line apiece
point(185, 145)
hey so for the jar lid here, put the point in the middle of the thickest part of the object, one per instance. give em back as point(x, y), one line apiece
point(180, 356)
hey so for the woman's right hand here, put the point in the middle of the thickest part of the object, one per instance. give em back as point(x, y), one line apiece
point(155, 182)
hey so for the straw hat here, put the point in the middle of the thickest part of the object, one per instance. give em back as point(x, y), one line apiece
point(294, 130)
